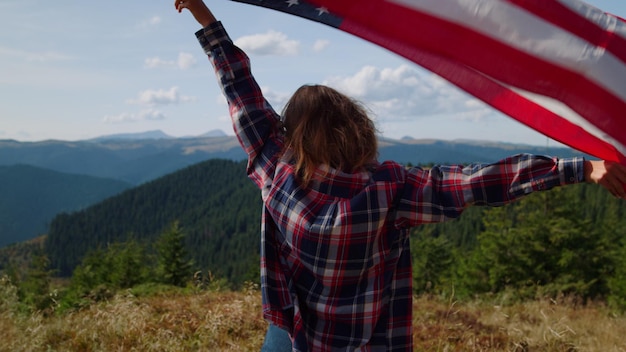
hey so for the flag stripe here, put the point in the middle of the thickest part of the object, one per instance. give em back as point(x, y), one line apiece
point(504, 99)
point(512, 66)
point(562, 111)
point(587, 22)
point(601, 18)
point(464, 31)
point(538, 117)
point(512, 27)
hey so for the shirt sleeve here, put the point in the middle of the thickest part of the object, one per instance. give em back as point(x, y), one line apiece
point(442, 192)
point(255, 122)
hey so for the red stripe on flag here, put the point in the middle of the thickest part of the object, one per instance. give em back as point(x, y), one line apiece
point(562, 16)
point(560, 129)
point(504, 99)
point(395, 27)
point(502, 62)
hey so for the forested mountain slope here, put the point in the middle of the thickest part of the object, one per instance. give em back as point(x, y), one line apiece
point(216, 205)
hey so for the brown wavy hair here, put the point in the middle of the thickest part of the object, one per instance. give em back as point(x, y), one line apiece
point(326, 127)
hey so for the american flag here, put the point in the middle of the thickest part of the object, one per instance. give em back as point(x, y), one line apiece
point(557, 66)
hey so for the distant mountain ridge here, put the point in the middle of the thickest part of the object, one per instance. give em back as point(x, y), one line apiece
point(138, 158)
point(156, 134)
point(128, 159)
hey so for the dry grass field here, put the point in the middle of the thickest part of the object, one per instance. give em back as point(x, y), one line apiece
point(231, 321)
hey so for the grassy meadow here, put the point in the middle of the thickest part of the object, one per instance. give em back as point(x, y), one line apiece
point(220, 320)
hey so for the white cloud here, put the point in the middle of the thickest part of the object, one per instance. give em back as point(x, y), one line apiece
point(156, 62)
point(185, 61)
point(270, 43)
point(150, 22)
point(144, 115)
point(276, 99)
point(320, 45)
point(402, 93)
point(160, 97)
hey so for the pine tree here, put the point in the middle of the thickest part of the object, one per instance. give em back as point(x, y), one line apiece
point(432, 258)
point(129, 264)
point(617, 282)
point(614, 223)
point(174, 267)
point(91, 281)
point(34, 290)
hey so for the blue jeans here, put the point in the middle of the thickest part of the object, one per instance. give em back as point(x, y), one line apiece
point(276, 340)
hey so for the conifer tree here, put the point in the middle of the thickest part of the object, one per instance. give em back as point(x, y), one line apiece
point(174, 266)
point(129, 264)
point(90, 280)
point(432, 258)
point(617, 282)
point(34, 290)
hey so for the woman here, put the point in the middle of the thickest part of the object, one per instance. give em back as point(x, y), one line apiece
point(335, 262)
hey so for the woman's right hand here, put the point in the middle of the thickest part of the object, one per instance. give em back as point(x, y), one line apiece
point(609, 175)
point(198, 9)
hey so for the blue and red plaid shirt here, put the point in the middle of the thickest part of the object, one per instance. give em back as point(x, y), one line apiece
point(335, 261)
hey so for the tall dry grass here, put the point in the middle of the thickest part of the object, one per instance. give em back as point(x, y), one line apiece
point(543, 325)
point(231, 321)
point(206, 321)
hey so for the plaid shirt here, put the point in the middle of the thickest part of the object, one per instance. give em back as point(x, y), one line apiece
point(335, 261)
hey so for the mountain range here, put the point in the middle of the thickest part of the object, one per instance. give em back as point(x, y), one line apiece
point(41, 179)
point(140, 157)
point(133, 158)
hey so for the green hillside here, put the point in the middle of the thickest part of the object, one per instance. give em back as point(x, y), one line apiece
point(216, 205)
point(32, 196)
point(569, 240)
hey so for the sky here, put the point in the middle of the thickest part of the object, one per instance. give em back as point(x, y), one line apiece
point(75, 70)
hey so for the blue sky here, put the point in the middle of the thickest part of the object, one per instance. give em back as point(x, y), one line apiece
point(73, 70)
